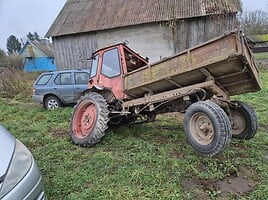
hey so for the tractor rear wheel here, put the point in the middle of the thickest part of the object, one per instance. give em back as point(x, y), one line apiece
point(244, 119)
point(89, 120)
point(207, 128)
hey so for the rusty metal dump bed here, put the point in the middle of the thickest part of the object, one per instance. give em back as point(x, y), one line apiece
point(226, 59)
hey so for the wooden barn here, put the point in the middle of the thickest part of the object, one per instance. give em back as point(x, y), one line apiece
point(38, 56)
point(153, 28)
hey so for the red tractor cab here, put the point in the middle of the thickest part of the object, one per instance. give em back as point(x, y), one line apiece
point(108, 67)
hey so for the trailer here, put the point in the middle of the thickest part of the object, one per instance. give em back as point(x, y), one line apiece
point(198, 82)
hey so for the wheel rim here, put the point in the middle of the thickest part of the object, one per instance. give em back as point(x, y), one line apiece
point(201, 128)
point(84, 119)
point(52, 104)
point(239, 123)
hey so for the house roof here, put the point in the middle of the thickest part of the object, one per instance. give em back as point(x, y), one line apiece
point(46, 49)
point(79, 16)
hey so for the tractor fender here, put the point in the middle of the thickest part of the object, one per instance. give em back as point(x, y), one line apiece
point(105, 92)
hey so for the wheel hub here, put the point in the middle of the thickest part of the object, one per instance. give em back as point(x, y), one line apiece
point(88, 118)
point(239, 123)
point(202, 128)
point(52, 104)
point(85, 119)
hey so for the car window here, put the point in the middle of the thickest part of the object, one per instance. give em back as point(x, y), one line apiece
point(43, 80)
point(64, 79)
point(94, 66)
point(81, 77)
point(110, 63)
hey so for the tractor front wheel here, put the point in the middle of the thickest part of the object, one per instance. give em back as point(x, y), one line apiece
point(89, 120)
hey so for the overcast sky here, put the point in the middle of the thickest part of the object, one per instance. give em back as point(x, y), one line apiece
point(19, 17)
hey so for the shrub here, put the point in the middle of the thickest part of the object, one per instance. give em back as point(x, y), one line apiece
point(15, 83)
point(15, 61)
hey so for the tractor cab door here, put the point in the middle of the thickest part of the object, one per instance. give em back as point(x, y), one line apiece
point(106, 71)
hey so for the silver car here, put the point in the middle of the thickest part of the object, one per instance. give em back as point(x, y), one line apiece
point(58, 88)
point(20, 177)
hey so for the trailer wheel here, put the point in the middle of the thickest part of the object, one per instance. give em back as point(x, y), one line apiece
point(207, 128)
point(244, 119)
point(89, 120)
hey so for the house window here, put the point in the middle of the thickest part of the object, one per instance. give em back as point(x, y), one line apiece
point(110, 63)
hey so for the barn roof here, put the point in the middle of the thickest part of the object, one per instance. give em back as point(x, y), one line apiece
point(79, 16)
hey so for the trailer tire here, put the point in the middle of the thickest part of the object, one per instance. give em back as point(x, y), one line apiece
point(89, 120)
point(207, 128)
point(245, 121)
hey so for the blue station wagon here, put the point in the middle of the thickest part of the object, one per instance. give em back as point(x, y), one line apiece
point(58, 88)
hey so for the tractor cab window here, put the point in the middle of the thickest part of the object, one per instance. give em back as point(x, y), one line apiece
point(94, 66)
point(133, 62)
point(110, 63)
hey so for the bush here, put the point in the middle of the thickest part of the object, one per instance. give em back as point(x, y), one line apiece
point(15, 61)
point(15, 83)
point(3, 59)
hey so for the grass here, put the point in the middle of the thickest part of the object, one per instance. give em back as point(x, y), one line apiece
point(261, 56)
point(146, 161)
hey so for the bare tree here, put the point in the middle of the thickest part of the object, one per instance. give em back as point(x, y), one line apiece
point(33, 36)
point(255, 22)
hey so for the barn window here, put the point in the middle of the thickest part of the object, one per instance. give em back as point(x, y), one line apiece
point(110, 63)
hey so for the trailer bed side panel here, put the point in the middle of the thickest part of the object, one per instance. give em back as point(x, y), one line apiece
point(226, 59)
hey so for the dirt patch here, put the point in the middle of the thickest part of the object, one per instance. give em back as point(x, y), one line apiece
point(235, 185)
point(195, 190)
point(205, 189)
point(59, 133)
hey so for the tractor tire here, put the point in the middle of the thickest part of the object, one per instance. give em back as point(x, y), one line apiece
point(245, 121)
point(89, 120)
point(207, 128)
point(52, 102)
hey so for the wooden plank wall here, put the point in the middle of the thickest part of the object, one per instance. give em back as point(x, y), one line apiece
point(71, 51)
point(191, 32)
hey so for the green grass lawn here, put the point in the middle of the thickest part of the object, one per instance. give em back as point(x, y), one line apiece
point(261, 56)
point(146, 161)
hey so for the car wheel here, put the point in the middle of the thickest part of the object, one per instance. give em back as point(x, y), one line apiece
point(52, 102)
